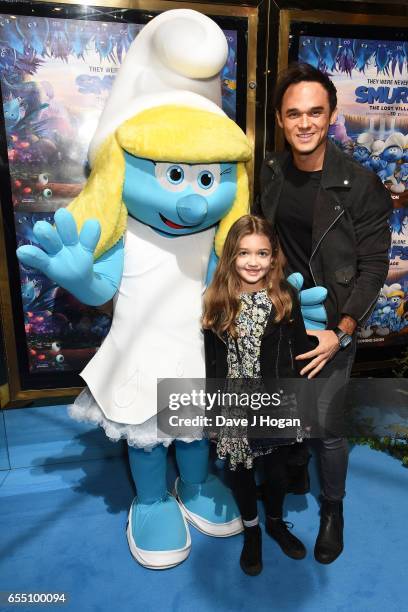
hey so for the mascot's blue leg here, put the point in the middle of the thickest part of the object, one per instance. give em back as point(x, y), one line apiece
point(157, 532)
point(205, 500)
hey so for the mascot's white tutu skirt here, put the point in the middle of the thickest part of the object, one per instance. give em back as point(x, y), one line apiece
point(145, 435)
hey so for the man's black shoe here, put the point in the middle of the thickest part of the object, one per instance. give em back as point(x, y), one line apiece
point(251, 555)
point(290, 544)
point(329, 542)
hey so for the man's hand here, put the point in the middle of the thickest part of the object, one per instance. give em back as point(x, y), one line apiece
point(326, 349)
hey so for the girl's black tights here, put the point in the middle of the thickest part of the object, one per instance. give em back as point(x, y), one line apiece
point(244, 485)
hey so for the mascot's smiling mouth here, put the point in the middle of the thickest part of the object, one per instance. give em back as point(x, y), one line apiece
point(172, 224)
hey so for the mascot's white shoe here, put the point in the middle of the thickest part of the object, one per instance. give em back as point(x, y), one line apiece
point(158, 534)
point(209, 506)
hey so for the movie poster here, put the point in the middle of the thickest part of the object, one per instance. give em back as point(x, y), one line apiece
point(55, 77)
point(371, 77)
point(229, 77)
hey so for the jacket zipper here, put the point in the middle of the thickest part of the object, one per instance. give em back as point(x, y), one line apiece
point(318, 244)
point(314, 251)
point(370, 307)
point(291, 354)
point(277, 353)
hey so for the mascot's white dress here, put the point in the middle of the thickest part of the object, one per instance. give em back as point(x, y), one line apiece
point(167, 174)
point(155, 331)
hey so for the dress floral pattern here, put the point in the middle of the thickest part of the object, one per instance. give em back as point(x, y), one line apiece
point(251, 322)
point(244, 363)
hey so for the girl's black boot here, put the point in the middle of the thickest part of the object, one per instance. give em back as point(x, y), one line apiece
point(289, 543)
point(251, 555)
point(277, 528)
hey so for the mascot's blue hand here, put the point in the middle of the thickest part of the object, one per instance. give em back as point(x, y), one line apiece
point(296, 280)
point(313, 325)
point(313, 297)
point(68, 260)
point(314, 317)
point(311, 303)
point(212, 264)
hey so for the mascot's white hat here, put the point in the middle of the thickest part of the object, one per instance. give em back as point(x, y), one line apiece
point(164, 106)
point(175, 59)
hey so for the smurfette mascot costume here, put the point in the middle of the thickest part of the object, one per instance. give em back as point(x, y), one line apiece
point(168, 180)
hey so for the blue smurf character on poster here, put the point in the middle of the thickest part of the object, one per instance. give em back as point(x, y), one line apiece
point(362, 148)
point(392, 153)
point(402, 177)
point(380, 316)
point(375, 162)
point(395, 300)
point(378, 319)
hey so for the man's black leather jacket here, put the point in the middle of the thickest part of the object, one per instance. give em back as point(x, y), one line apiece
point(351, 234)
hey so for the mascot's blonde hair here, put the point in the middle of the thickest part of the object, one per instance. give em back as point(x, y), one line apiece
point(164, 133)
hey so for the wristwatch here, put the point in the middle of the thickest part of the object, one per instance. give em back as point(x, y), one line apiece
point(343, 337)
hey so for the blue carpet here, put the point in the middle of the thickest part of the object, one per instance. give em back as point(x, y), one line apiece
point(4, 458)
point(63, 529)
point(48, 435)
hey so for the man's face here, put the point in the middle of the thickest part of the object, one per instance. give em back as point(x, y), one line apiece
point(305, 117)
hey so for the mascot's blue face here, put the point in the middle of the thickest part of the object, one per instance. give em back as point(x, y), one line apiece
point(178, 199)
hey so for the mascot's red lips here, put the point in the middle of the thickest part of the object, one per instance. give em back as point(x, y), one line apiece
point(171, 223)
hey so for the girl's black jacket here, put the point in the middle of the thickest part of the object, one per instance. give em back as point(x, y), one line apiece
point(280, 344)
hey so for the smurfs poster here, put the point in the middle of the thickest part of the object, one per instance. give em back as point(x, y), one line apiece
point(55, 76)
point(371, 77)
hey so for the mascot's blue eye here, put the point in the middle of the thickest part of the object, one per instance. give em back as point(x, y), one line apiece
point(205, 179)
point(175, 175)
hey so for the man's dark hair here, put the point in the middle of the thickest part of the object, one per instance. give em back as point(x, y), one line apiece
point(298, 72)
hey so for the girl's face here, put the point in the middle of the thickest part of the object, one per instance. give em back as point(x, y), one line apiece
point(253, 261)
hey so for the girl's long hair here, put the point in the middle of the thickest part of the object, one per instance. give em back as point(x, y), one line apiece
point(221, 300)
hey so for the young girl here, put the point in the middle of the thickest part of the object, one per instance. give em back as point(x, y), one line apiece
point(253, 328)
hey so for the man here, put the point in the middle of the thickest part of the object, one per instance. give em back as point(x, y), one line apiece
point(331, 216)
